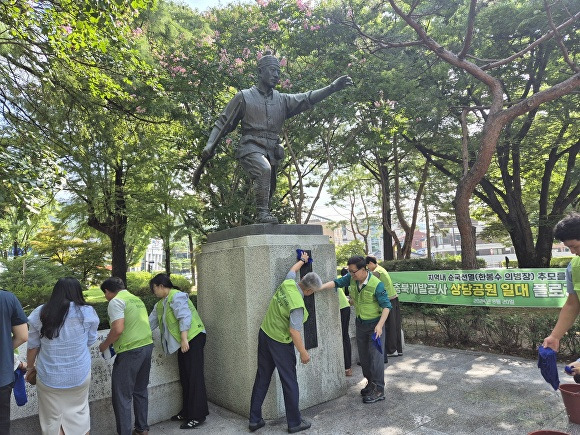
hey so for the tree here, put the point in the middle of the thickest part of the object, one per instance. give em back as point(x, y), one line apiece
point(350, 249)
point(556, 25)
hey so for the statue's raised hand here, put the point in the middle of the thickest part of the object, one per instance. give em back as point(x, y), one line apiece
point(341, 83)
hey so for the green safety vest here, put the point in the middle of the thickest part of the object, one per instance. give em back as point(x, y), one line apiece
point(575, 272)
point(386, 280)
point(342, 300)
point(172, 322)
point(276, 323)
point(137, 332)
point(365, 302)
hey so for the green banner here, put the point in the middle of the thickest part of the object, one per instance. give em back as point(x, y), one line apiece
point(496, 288)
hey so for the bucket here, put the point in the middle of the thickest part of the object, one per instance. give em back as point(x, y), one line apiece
point(571, 398)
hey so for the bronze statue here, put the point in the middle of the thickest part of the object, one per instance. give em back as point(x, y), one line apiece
point(262, 111)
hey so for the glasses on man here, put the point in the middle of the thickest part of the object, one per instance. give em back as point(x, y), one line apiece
point(352, 272)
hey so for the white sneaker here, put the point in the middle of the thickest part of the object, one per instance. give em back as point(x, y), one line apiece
point(395, 353)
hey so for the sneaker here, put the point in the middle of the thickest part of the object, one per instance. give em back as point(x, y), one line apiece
point(368, 389)
point(374, 396)
point(302, 426)
point(395, 353)
point(255, 426)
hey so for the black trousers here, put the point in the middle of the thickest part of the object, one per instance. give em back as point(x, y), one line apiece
point(393, 340)
point(192, 380)
point(344, 322)
point(5, 394)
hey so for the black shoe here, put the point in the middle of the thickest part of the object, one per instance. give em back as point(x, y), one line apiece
point(374, 396)
point(191, 424)
point(255, 426)
point(368, 389)
point(177, 417)
point(302, 426)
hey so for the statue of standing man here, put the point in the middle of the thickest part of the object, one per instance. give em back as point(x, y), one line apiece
point(262, 111)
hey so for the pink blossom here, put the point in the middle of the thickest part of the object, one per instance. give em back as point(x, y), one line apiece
point(263, 3)
point(140, 109)
point(313, 28)
point(286, 84)
point(272, 25)
point(229, 141)
point(238, 63)
point(349, 13)
point(283, 62)
point(137, 32)
point(246, 52)
point(67, 29)
point(259, 55)
point(301, 5)
point(377, 104)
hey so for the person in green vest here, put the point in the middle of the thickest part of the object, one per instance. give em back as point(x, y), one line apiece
point(344, 306)
point(568, 232)
point(393, 341)
point(372, 306)
point(132, 341)
point(278, 336)
point(182, 331)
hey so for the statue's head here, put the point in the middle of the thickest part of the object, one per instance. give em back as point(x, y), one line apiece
point(269, 70)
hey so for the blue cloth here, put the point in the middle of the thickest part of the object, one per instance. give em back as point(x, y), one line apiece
point(377, 342)
point(65, 361)
point(548, 367)
point(19, 388)
point(11, 314)
point(299, 257)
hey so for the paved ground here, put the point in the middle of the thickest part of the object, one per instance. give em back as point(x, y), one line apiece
point(428, 391)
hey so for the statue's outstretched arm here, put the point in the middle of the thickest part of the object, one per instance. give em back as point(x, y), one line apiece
point(337, 85)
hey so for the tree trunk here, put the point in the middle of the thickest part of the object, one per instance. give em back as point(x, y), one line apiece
point(191, 258)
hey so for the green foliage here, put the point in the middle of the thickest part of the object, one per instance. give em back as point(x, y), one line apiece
point(30, 270)
point(503, 331)
point(457, 323)
point(138, 283)
point(182, 282)
point(344, 252)
point(426, 264)
point(560, 261)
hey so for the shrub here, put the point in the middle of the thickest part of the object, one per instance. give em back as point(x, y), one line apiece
point(504, 331)
point(138, 283)
point(560, 261)
point(449, 263)
point(182, 282)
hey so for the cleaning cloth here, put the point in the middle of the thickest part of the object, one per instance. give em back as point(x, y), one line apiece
point(299, 255)
point(548, 367)
point(19, 387)
point(377, 342)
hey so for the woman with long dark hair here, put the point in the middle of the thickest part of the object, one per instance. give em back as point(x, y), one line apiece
point(61, 332)
point(182, 330)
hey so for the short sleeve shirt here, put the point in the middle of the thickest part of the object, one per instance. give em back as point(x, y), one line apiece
point(11, 314)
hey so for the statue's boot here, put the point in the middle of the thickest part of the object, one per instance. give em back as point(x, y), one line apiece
point(264, 217)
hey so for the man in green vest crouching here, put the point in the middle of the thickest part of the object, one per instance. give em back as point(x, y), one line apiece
point(132, 341)
point(279, 334)
point(372, 306)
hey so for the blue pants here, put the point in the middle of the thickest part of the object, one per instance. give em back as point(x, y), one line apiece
point(273, 354)
point(129, 384)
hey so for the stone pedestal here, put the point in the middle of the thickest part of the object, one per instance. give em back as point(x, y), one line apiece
point(238, 271)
